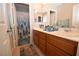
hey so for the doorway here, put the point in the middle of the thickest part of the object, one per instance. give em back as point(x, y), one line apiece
point(52, 17)
point(23, 23)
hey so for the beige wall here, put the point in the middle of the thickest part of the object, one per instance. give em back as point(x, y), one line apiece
point(65, 11)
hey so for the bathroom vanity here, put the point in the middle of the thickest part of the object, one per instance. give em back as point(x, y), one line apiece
point(57, 43)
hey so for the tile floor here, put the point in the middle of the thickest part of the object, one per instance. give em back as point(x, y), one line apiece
point(24, 50)
point(28, 51)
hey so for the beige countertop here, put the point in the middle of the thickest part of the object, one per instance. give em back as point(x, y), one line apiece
point(71, 35)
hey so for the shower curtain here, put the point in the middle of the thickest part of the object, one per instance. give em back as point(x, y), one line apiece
point(23, 25)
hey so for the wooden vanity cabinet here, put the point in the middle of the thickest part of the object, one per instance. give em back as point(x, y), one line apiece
point(52, 45)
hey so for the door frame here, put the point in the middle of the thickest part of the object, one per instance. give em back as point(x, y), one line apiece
point(15, 17)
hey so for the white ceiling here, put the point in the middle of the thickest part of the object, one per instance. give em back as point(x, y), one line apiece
point(55, 4)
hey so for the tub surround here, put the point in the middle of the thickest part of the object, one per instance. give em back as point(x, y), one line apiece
point(71, 36)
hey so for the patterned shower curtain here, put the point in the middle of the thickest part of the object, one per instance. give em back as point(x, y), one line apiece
point(23, 25)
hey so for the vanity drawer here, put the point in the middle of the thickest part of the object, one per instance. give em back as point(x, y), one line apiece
point(35, 32)
point(65, 45)
point(42, 48)
point(42, 35)
point(54, 51)
point(41, 41)
point(36, 41)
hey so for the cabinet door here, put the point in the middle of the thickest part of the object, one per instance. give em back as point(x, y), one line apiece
point(42, 42)
point(35, 37)
point(42, 48)
point(66, 45)
point(54, 51)
point(42, 45)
